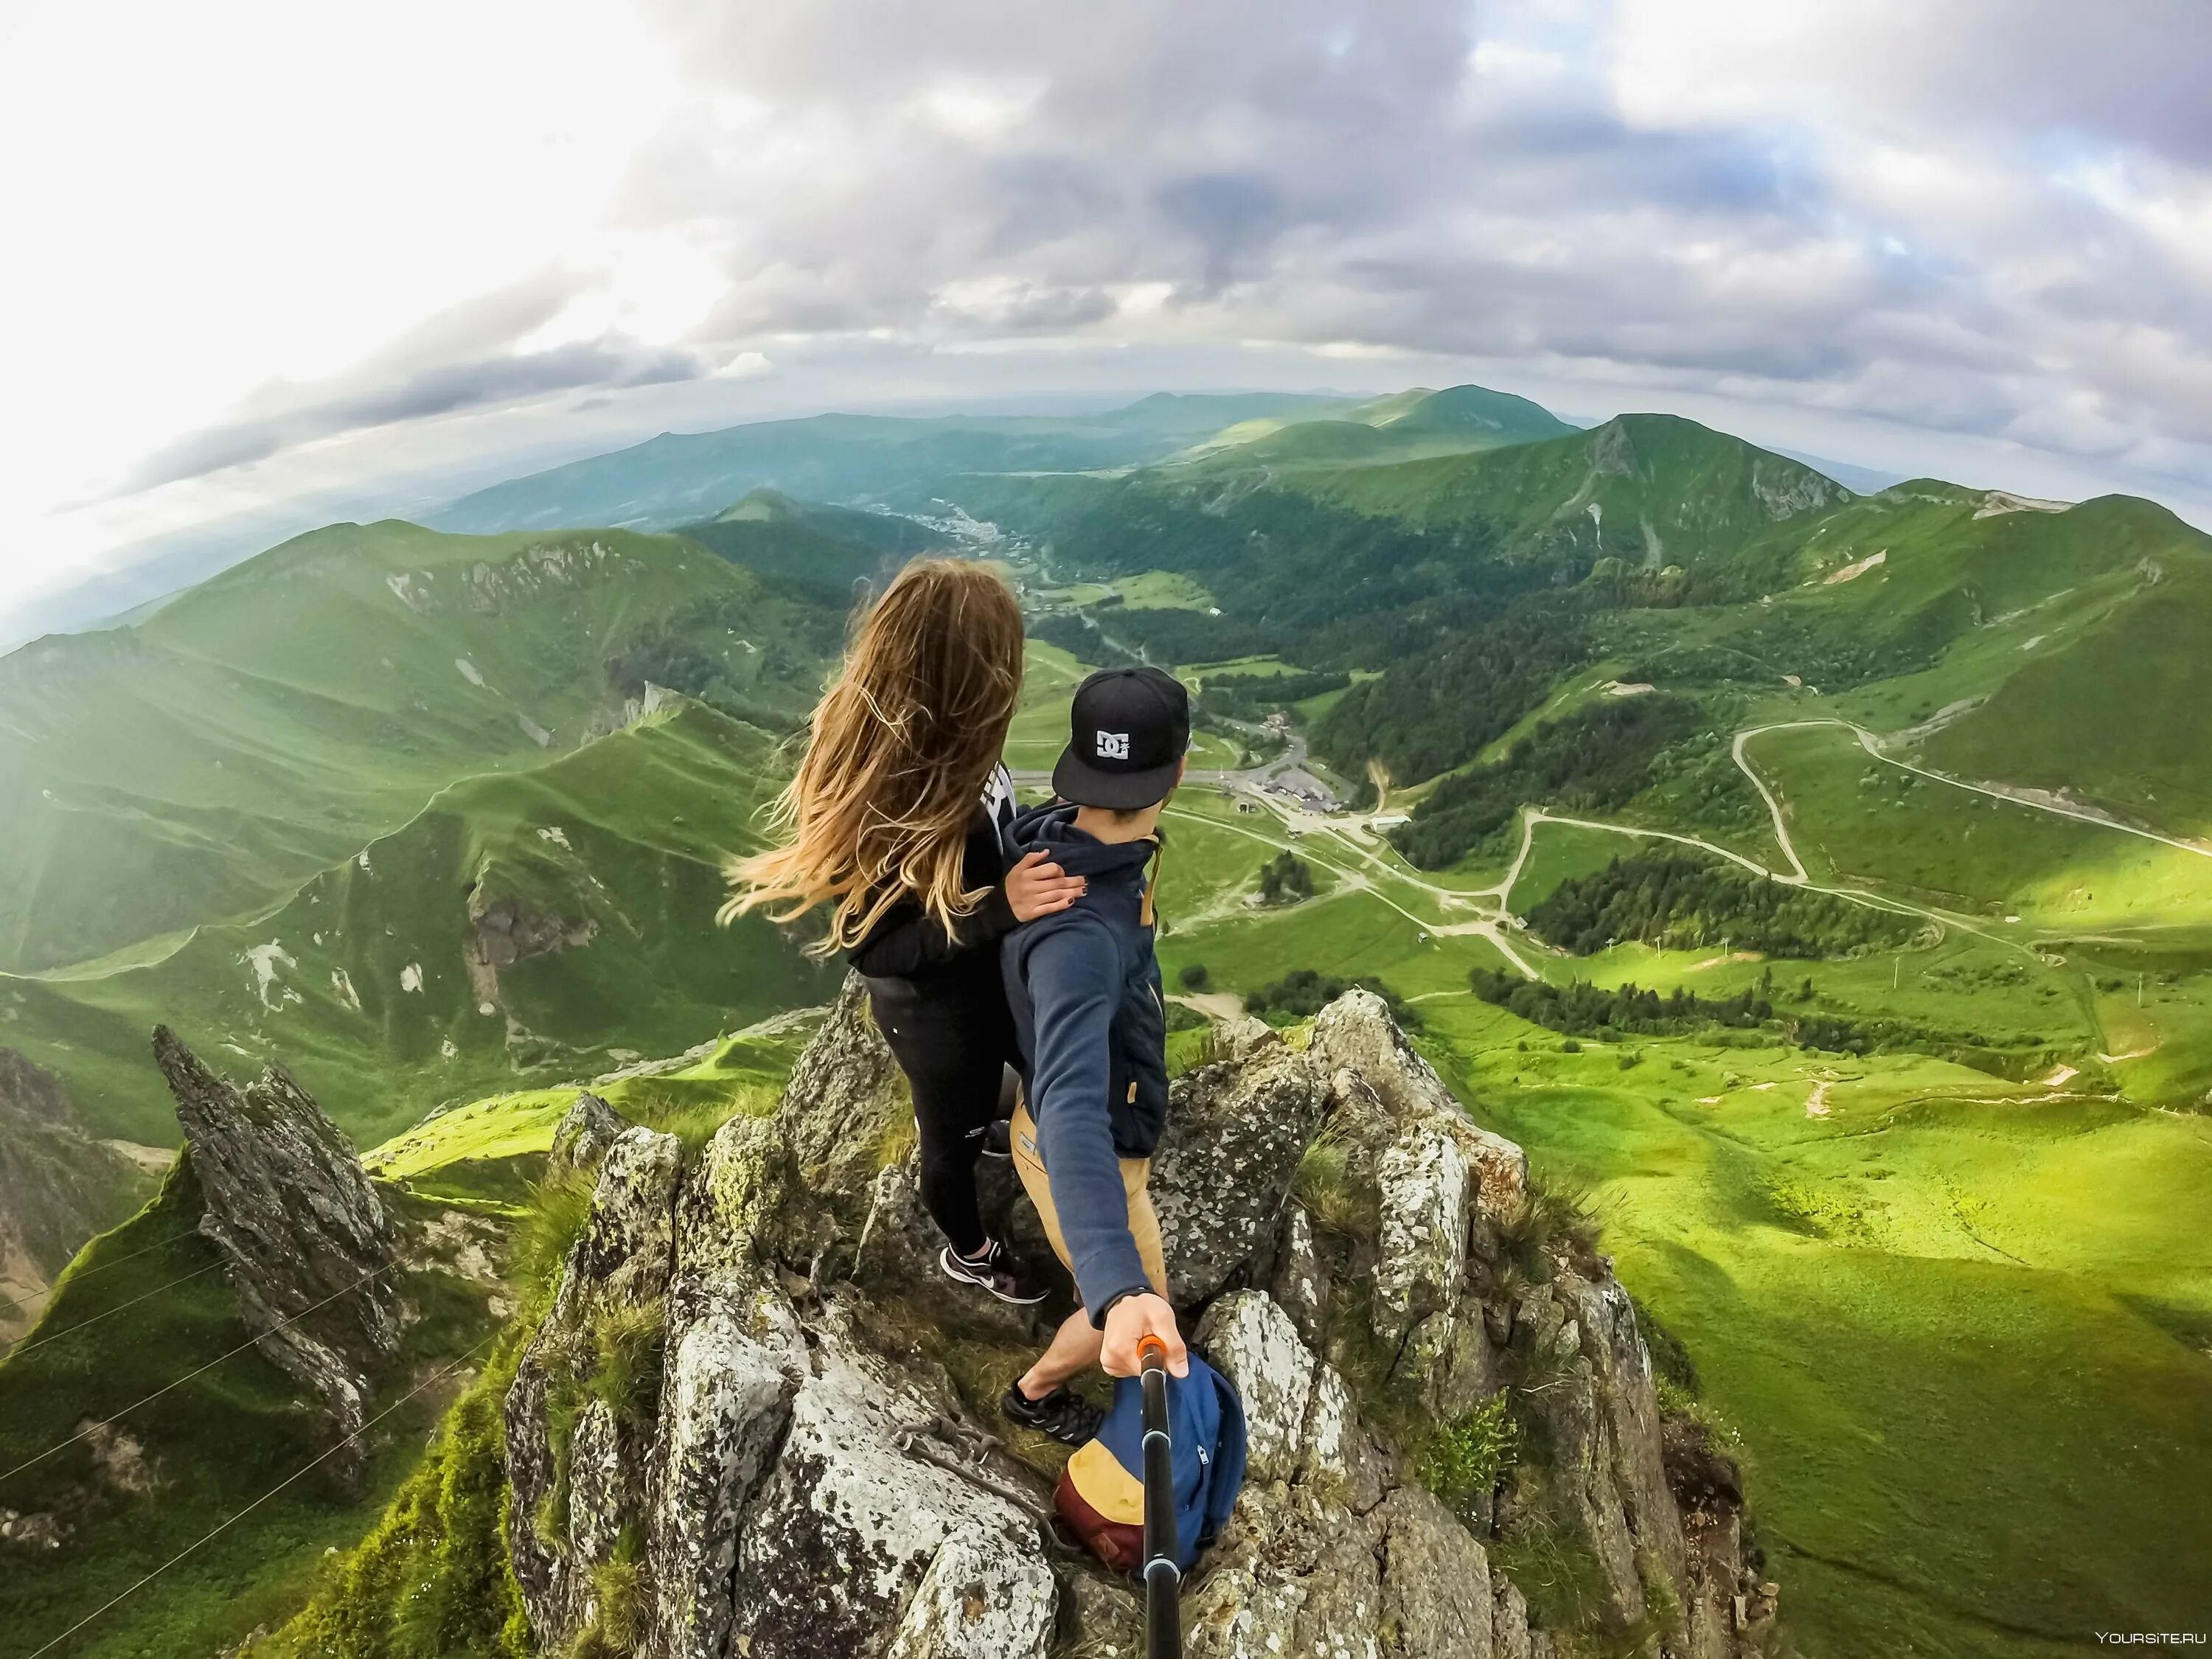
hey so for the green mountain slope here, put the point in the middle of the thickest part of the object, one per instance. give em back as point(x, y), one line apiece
point(2117, 717)
point(1650, 490)
point(524, 926)
point(1403, 425)
point(823, 547)
point(198, 765)
point(682, 478)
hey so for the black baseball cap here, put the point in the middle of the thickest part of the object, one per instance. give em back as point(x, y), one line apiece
point(1127, 730)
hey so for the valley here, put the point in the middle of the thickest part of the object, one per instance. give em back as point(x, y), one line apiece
point(1820, 882)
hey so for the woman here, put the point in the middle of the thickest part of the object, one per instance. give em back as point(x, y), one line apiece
point(893, 822)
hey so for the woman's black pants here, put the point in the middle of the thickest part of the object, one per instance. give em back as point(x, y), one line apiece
point(955, 1045)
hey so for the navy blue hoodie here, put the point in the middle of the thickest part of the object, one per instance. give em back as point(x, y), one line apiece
point(1085, 988)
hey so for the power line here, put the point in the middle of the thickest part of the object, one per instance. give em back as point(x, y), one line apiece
point(117, 1262)
point(125, 1411)
point(304, 1468)
point(104, 1313)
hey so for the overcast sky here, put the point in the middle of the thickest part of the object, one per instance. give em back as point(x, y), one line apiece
point(369, 256)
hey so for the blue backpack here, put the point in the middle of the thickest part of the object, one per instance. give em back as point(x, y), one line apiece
point(1101, 1494)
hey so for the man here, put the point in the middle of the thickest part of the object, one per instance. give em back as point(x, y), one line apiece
point(1085, 988)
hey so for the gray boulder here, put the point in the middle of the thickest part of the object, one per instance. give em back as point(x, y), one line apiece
point(846, 1101)
point(847, 1531)
point(1236, 1132)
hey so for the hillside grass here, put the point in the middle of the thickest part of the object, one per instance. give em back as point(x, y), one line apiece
point(144, 1307)
point(1954, 1324)
point(1961, 1321)
point(1857, 820)
point(744, 1073)
point(196, 767)
point(2117, 718)
point(361, 984)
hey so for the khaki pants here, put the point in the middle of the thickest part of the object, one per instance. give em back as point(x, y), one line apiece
point(1144, 1222)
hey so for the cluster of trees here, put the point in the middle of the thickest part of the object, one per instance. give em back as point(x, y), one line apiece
point(1255, 696)
point(1438, 710)
point(1285, 880)
point(1580, 1010)
point(1173, 634)
point(1593, 759)
point(1301, 993)
point(1681, 900)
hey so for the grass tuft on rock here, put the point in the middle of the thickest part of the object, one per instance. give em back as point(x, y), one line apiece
point(1465, 1459)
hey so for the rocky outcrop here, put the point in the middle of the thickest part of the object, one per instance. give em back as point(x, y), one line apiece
point(579, 1409)
point(1434, 1364)
point(304, 1239)
point(584, 1136)
point(58, 1187)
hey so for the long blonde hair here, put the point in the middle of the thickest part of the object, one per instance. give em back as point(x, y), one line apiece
point(896, 756)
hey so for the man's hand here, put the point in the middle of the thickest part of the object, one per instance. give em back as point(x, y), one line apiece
point(1131, 1319)
point(1036, 888)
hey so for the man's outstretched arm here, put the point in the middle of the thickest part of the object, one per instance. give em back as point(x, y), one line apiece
point(1074, 974)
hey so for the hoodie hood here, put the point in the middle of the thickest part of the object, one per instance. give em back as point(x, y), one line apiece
point(1051, 829)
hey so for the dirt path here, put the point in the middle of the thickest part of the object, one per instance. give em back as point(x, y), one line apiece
point(1214, 1005)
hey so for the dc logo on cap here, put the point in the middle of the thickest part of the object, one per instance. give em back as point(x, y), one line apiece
point(1113, 745)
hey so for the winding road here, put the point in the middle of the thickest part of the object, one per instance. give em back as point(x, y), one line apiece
point(1343, 834)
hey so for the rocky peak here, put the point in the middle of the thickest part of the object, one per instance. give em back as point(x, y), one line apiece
point(1437, 1366)
point(304, 1241)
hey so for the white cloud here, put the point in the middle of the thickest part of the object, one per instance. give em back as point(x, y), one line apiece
point(297, 254)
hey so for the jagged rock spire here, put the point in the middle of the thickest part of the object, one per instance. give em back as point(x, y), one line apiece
point(304, 1241)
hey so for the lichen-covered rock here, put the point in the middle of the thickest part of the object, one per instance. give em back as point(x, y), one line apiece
point(1508, 1622)
point(1302, 1423)
point(304, 1238)
point(585, 1135)
point(1235, 1134)
point(627, 1247)
point(1356, 1033)
point(1232, 1612)
point(734, 1196)
point(846, 1099)
point(1252, 1342)
point(602, 1499)
point(1436, 1579)
point(725, 1401)
point(1421, 1179)
point(848, 1526)
point(969, 1606)
point(575, 1495)
point(1299, 1285)
point(1341, 1456)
